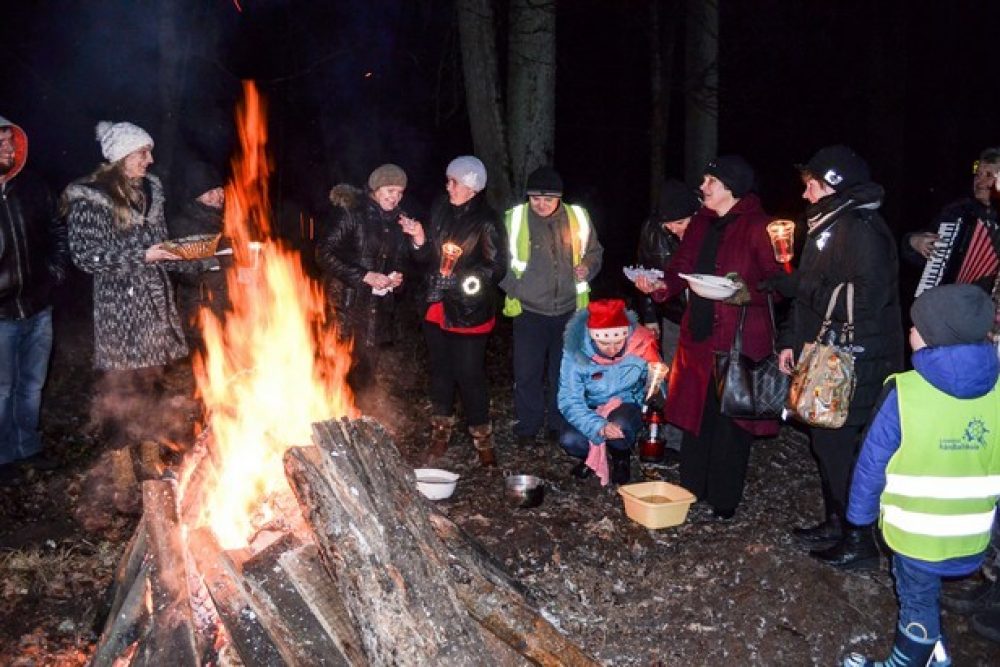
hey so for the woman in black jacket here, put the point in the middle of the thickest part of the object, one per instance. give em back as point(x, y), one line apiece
point(847, 241)
point(363, 259)
point(462, 306)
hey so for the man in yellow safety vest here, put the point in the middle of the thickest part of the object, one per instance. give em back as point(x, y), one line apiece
point(554, 253)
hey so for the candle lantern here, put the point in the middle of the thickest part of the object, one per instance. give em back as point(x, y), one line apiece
point(450, 252)
point(782, 233)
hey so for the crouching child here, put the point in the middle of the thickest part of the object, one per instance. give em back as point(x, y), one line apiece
point(602, 381)
point(929, 467)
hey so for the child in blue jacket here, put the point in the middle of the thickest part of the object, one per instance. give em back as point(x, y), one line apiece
point(929, 467)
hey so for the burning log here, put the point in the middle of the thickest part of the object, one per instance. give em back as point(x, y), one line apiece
point(418, 589)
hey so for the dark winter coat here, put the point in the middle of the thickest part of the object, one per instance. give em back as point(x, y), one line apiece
point(206, 289)
point(34, 252)
point(850, 242)
point(477, 229)
point(962, 371)
point(362, 238)
point(744, 248)
point(656, 247)
point(136, 324)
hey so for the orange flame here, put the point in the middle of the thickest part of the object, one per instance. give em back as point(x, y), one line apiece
point(273, 367)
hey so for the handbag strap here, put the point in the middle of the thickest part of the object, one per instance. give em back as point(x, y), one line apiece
point(848, 329)
point(737, 346)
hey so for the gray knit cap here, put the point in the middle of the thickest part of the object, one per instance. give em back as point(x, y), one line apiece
point(953, 315)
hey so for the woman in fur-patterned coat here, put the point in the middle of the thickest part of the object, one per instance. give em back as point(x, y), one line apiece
point(116, 227)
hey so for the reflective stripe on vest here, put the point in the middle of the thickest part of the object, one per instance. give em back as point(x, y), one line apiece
point(519, 244)
point(949, 513)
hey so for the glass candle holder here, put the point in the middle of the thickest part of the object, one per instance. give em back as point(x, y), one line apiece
point(656, 373)
point(450, 252)
point(782, 233)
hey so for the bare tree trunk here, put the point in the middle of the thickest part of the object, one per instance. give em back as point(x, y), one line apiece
point(173, 47)
point(662, 47)
point(701, 62)
point(531, 83)
point(476, 26)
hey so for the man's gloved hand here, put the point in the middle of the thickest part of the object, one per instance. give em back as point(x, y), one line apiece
point(742, 295)
point(439, 285)
point(786, 284)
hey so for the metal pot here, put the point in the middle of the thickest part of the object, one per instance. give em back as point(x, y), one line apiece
point(525, 490)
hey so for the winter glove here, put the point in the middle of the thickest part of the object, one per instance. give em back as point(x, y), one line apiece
point(439, 285)
point(786, 284)
point(742, 295)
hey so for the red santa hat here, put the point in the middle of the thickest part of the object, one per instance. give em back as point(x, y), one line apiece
point(607, 321)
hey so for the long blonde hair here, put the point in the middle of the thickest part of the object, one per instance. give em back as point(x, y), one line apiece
point(125, 196)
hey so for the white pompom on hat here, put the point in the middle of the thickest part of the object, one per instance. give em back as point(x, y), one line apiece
point(607, 321)
point(119, 139)
point(469, 171)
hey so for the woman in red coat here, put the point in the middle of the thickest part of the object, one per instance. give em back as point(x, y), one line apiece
point(727, 236)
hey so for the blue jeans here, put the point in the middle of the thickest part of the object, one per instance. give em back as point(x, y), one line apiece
point(628, 417)
point(24, 362)
point(919, 594)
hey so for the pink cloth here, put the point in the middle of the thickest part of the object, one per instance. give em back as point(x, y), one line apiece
point(597, 457)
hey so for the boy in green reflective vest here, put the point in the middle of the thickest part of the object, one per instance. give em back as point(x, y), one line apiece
point(929, 467)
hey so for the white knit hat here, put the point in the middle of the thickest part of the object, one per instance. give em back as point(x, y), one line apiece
point(469, 171)
point(120, 139)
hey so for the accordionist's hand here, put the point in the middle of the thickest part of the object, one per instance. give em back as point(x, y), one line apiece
point(924, 243)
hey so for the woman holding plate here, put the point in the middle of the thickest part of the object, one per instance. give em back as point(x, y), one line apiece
point(726, 237)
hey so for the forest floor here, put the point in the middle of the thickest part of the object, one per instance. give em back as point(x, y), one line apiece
point(707, 592)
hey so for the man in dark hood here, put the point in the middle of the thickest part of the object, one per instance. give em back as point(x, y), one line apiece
point(33, 258)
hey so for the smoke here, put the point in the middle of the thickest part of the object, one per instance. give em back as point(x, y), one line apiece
point(129, 407)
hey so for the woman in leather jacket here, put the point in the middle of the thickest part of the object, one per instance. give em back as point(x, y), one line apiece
point(462, 306)
point(363, 259)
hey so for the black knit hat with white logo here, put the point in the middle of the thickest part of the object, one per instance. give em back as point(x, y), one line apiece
point(837, 166)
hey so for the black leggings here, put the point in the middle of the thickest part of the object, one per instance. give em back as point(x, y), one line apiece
point(835, 450)
point(458, 360)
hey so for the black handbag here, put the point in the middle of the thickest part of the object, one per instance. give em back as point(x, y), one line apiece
point(749, 389)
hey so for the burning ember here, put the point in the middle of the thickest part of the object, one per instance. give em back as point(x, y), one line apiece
point(274, 367)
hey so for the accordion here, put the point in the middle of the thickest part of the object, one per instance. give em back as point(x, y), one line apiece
point(965, 252)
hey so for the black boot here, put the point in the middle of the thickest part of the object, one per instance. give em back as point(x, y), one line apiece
point(824, 532)
point(987, 624)
point(621, 466)
point(912, 648)
point(856, 550)
point(984, 596)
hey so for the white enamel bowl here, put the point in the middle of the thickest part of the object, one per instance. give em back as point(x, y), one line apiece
point(710, 287)
point(434, 483)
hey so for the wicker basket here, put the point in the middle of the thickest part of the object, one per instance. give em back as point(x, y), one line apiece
point(656, 504)
point(193, 247)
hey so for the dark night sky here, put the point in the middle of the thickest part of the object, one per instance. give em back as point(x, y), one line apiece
point(354, 84)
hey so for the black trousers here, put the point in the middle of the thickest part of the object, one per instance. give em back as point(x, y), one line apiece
point(835, 451)
point(458, 361)
point(714, 462)
point(538, 347)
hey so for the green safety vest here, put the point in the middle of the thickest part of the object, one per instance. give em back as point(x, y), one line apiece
point(943, 482)
point(516, 221)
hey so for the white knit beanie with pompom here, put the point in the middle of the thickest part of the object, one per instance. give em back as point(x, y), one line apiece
point(119, 139)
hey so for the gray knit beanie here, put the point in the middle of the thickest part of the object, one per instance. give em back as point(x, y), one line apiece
point(953, 315)
point(387, 175)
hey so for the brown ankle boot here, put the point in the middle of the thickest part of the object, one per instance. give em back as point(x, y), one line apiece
point(482, 440)
point(441, 428)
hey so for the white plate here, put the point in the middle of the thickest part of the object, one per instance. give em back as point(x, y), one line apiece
point(435, 483)
point(709, 286)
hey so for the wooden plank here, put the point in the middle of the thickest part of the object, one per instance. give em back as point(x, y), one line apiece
point(494, 600)
point(318, 590)
point(171, 636)
point(125, 575)
point(223, 581)
point(128, 624)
